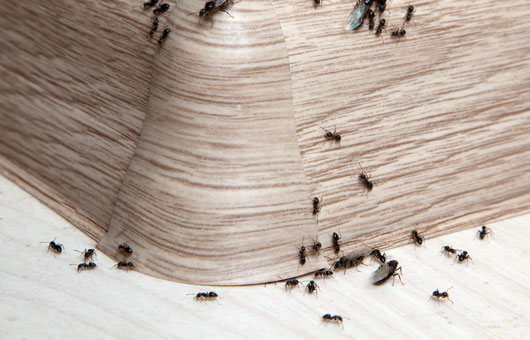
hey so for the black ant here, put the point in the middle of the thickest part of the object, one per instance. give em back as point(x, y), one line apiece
point(441, 295)
point(371, 16)
point(323, 273)
point(292, 283)
point(317, 2)
point(154, 27)
point(380, 27)
point(88, 253)
point(161, 9)
point(316, 205)
point(377, 254)
point(312, 286)
point(303, 255)
point(381, 5)
point(316, 246)
point(332, 135)
point(150, 3)
point(212, 6)
point(206, 296)
point(386, 271)
point(484, 231)
point(449, 250)
point(464, 256)
point(85, 266)
point(124, 265)
point(398, 33)
point(332, 318)
point(165, 33)
point(410, 10)
point(349, 261)
point(125, 249)
point(57, 247)
point(417, 238)
point(335, 238)
point(365, 179)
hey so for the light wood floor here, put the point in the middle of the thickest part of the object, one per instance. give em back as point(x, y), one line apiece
point(43, 297)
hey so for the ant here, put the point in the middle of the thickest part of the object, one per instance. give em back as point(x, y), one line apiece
point(292, 283)
point(316, 205)
point(57, 247)
point(312, 286)
point(161, 9)
point(410, 10)
point(125, 249)
point(335, 237)
point(154, 27)
point(398, 33)
point(303, 255)
point(381, 5)
point(124, 265)
point(417, 237)
point(449, 250)
point(387, 270)
point(316, 246)
point(85, 266)
point(317, 2)
point(441, 295)
point(150, 4)
point(332, 135)
point(380, 27)
point(88, 253)
point(165, 33)
point(349, 261)
point(464, 256)
point(371, 16)
point(206, 296)
point(323, 273)
point(212, 6)
point(377, 254)
point(332, 318)
point(484, 231)
point(365, 179)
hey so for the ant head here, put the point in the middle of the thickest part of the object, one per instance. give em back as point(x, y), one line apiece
point(202, 12)
point(410, 9)
point(329, 134)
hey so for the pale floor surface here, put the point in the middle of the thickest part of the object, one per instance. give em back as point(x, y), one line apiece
point(43, 297)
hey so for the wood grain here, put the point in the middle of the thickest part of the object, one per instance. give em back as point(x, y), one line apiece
point(44, 297)
point(216, 191)
point(231, 149)
point(74, 90)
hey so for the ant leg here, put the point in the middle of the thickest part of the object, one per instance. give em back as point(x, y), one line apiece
point(224, 10)
point(451, 301)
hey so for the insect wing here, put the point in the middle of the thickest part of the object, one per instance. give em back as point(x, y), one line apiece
point(219, 3)
point(356, 17)
point(383, 273)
